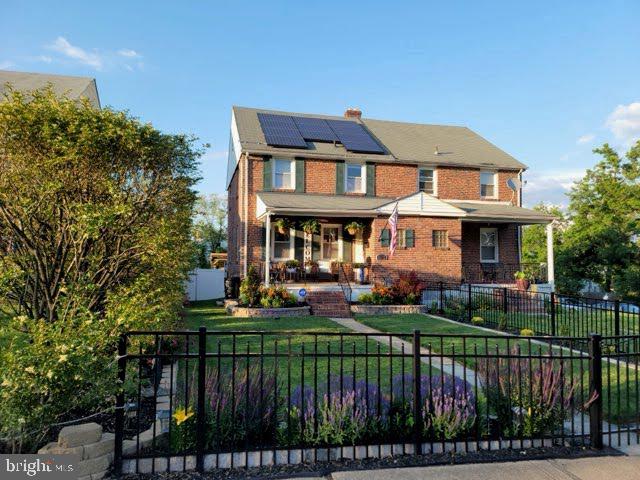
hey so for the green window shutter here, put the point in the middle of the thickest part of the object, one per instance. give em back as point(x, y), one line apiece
point(315, 247)
point(298, 246)
point(385, 237)
point(339, 178)
point(409, 238)
point(266, 174)
point(299, 175)
point(371, 180)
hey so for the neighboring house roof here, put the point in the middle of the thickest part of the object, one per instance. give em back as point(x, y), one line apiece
point(417, 204)
point(478, 211)
point(404, 143)
point(72, 87)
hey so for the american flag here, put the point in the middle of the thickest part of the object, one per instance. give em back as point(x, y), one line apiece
point(393, 224)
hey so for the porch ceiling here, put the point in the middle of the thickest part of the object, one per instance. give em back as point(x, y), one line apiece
point(500, 212)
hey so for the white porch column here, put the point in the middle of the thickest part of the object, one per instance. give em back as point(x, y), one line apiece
point(267, 250)
point(551, 274)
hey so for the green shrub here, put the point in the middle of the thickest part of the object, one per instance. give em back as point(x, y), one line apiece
point(527, 332)
point(503, 321)
point(276, 297)
point(250, 288)
point(477, 321)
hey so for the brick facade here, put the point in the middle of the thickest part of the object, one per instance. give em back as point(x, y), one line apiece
point(392, 180)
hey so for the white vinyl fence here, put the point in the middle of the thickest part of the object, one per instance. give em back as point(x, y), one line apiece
point(205, 284)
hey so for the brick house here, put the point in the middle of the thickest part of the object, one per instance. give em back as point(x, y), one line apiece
point(457, 195)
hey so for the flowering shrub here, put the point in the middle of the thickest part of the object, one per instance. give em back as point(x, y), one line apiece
point(406, 289)
point(531, 397)
point(276, 297)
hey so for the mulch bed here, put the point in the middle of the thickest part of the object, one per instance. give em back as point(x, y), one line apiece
point(323, 469)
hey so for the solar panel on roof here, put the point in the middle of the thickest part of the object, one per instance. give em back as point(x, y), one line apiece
point(354, 137)
point(281, 131)
point(315, 129)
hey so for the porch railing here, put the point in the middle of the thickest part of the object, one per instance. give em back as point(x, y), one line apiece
point(503, 272)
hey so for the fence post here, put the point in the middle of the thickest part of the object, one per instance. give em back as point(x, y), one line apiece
point(505, 301)
point(200, 425)
point(552, 307)
point(469, 314)
point(441, 306)
point(617, 318)
point(417, 393)
point(119, 434)
point(595, 390)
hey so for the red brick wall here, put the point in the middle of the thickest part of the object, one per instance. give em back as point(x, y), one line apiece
point(507, 242)
point(320, 176)
point(396, 180)
point(464, 183)
point(432, 264)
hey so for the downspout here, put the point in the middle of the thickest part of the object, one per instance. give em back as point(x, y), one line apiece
point(520, 226)
point(246, 215)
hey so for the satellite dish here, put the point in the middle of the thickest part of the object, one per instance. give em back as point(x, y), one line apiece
point(514, 184)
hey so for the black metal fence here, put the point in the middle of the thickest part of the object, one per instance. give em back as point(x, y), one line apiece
point(239, 399)
point(541, 313)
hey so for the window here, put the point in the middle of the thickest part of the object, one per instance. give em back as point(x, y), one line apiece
point(488, 188)
point(282, 245)
point(284, 174)
point(406, 238)
point(427, 181)
point(489, 245)
point(440, 239)
point(355, 178)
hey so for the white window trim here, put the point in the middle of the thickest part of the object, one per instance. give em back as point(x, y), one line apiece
point(340, 246)
point(435, 180)
point(497, 256)
point(292, 244)
point(293, 174)
point(363, 174)
point(496, 193)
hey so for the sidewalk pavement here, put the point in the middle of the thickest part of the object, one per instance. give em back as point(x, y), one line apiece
point(593, 468)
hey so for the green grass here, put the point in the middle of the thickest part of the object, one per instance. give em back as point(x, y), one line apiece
point(301, 333)
point(620, 395)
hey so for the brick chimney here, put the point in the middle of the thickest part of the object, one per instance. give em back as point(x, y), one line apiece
point(353, 113)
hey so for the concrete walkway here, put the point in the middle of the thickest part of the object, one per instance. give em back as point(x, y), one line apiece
point(594, 468)
point(442, 363)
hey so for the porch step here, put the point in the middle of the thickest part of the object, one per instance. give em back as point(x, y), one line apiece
point(328, 304)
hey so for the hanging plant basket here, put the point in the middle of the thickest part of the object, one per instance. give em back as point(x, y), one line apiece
point(310, 226)
point(354, 227)
point(282, 225)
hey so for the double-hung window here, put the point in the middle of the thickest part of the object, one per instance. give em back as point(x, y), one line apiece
point(427, 180)
point(488, 245)
point(282, 245)
point(284, 174)
point(440, 239)
point(355, 178)
point(488, 185)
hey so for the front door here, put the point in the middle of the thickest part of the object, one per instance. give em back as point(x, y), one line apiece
point(331, 246)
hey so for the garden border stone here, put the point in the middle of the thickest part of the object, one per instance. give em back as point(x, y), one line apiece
point(237, 311)
point(388, 309)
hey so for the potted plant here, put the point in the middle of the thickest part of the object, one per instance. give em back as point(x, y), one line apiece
point(358, 272)
point(310, 226)
point(353, 227)
point(310, 266)
point(292, 265)
point(522, 281)
point(283, 225)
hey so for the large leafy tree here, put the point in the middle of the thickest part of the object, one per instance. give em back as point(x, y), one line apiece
point(601, 243)
point(534, 237)
point(95, 239)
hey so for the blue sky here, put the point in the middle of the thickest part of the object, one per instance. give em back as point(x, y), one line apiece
point(545, 81)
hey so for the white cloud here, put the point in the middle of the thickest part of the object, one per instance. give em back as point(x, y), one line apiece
point(62, 46)
point(624, 122)
point(550, 186)
point(6, 65)
point(129, 53)
point(587, 138)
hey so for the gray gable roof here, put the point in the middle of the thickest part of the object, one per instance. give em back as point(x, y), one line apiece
point(404, 142)
point(72, 87)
